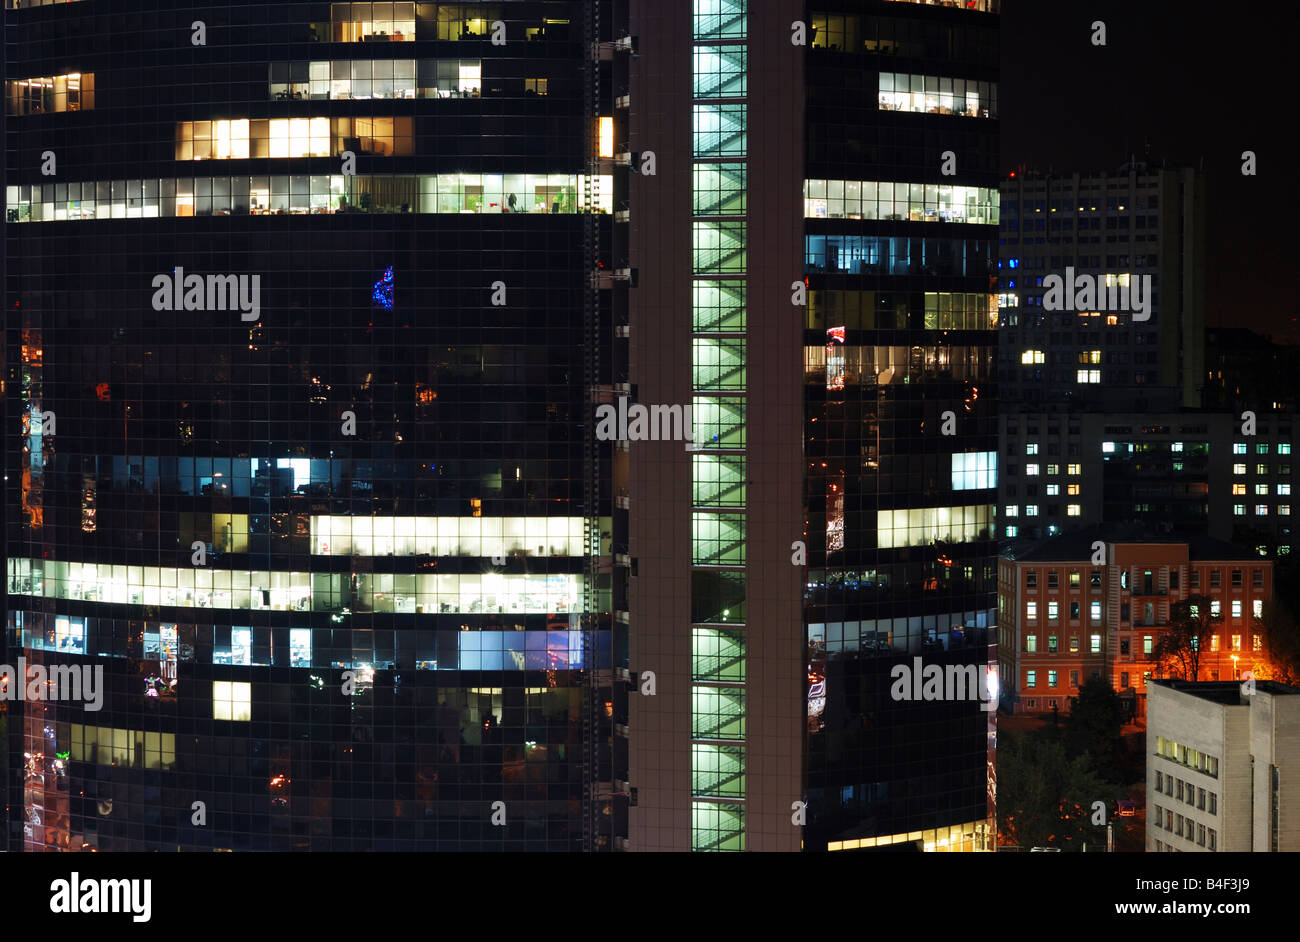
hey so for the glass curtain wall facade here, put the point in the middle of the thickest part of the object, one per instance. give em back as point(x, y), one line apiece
point(719, 289)
point(305, 463)
point(901, 424)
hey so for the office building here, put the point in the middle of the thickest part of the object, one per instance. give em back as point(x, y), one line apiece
point(1064, 618)
point(1188, 470)
point(302, 307)
point(900, 344)
point(1142, 222)
point(1222, 766)
point(312, 319)
point(888, 289)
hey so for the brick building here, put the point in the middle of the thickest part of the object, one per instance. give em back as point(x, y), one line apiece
point(1063, 619)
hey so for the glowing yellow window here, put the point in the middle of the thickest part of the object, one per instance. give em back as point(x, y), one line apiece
point(607, 137)
point(232, 700)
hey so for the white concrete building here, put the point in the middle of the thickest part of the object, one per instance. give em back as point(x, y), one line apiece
point(1223, 766)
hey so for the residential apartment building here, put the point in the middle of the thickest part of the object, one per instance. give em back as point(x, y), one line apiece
point(1223, 767)
point(1140, 222)
point(1064, 618)
point(1186, 470)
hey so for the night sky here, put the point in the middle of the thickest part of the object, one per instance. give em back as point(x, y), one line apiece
point(1184, 85)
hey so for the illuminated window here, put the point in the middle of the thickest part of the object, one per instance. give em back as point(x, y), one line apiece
point(1238, 448)
point(1053, 490)
point(1238, 469)
point(1094, 611)
point(1089, 356)
point(1053, 610)
point(944, 310)
point(357, 79)
point(1031, 510)
point(1072, 490)
point(1031, 644)
point(1261, 469)
point(1284, 490)
point(1012, 510)
point(1031, 678)
point(935, 95)
point(1073, 510)
point(1214, 642)
point(1284, 510)
point(1031, 448)
point(974, 470)
point(1216, 607)
point(606, 137)
point(923, 526)
point(1148, 644)
point(1107, 448)
point(325, 193)
point(72, 92)
point(241, 138)
point(1088, 376)
point(232, 701)
point(124, 748)
point(1094, 644)
point(1029, 357)
point(1013, 532)
point(1261, 510)
point(1236, 608)
point(1031, 469)
point(1261, 490)
point(1051, 678)
point(1053, 469)
point(297, 591)
point(394, 22)
point(1284, 448)
point(1239, 510)
point(1239, 489)
point(1074, 469)
point(918, 203)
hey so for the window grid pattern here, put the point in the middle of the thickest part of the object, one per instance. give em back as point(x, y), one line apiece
point(720, 266)
point(302, 194)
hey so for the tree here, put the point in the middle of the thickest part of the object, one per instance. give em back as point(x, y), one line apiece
point(1094, 726)
point(1281, 642)
point(1191, 622)
point(1046, 798)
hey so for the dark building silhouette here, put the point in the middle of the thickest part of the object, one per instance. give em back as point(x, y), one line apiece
point(330, 513)
point(311, 309)
point(900, 344)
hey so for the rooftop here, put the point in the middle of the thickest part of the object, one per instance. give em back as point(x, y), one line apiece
point(1076, 545)
point(1227, 692)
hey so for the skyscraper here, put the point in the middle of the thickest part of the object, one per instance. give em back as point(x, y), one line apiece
point(1140, 223)
point(317, 319)
point(300, 317)
point(826, 181)
point(901, 209)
